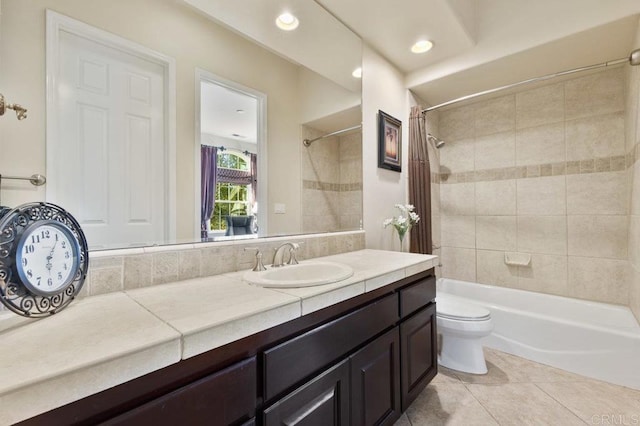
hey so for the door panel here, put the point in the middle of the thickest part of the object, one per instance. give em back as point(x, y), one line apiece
point(110, 144)
point(375, 381)
point(418, 337)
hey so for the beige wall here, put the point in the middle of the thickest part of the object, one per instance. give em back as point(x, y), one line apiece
point(543, 172)
point(633, 170)
point(382, 89)
point(179, 32)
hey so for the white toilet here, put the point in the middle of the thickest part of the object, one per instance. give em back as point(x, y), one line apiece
point(462, 325)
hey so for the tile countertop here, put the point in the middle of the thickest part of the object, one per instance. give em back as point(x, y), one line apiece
point(78, 352)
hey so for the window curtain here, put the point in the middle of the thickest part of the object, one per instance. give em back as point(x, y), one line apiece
point(209, 178)
point(238, 177)
point(254, 177)
point(419, 182)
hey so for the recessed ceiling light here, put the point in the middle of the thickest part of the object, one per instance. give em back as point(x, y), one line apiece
point(357, 73)
point(240, 111)
point(287, 22)
point(422, 46)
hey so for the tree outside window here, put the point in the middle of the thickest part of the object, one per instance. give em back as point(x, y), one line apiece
point(231, 199)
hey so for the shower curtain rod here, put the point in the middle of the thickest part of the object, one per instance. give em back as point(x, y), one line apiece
point(308, 142)
point(633, 59)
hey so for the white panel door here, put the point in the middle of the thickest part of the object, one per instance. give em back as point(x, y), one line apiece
point(110, 168)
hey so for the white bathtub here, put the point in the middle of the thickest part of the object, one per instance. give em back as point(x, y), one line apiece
point(589, 338)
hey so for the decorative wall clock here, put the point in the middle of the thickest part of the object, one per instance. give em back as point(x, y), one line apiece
point(43, 259)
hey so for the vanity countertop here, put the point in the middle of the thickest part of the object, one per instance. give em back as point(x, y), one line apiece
point(102, 341)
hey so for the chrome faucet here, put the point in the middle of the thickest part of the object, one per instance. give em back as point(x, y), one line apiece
point(278, 258)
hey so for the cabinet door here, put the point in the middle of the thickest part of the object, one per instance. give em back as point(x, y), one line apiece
point(418, 340)
point(375, 381)
point(324, 401)
point(223, 398)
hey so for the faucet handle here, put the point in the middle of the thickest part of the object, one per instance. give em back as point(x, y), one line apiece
point(258, 265)
point(292, 254)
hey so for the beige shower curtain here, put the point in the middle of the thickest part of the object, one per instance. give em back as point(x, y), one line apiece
point(419, 182)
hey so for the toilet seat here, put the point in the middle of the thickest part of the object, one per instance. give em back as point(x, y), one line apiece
point(450, 308)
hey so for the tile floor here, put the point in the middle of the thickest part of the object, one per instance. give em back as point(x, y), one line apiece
point(517, 391)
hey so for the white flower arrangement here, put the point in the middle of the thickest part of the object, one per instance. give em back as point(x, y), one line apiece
point(404, 221)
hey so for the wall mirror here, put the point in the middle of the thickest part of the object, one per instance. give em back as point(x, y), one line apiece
point(131, 171)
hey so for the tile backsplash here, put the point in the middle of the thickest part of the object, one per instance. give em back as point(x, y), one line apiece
point(118, 270)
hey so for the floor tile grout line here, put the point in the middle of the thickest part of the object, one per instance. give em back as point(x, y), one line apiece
point(561, 404)
point(466, 386)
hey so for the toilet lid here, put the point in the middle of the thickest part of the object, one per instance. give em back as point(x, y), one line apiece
point(452, 308)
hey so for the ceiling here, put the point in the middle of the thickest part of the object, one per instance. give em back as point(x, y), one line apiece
point(480, 44)
point(228, 114)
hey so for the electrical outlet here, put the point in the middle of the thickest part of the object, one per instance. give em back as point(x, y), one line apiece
point(279, 208)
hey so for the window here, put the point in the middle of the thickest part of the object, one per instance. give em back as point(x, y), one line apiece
point(232, 199)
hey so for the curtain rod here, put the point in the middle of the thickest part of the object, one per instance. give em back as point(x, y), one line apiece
point(308, 142)
point(633, 59)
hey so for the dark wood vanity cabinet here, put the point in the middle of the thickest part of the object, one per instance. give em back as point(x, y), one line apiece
point(375, 381)
point(224, 397)
point(359, 362)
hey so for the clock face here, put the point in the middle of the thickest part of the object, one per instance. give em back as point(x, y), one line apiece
point(47, 257)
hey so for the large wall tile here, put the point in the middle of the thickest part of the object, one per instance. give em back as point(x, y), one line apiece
point(538, 106)
point(458, 231)
point(602, 280)
point(495, 151)
point(634, 241)
point(542, 234)
point(631, 106)
point(496, 232)
point(459, 263)
point(598, 236)
point(436, 234)
point(457, 156)
point(595, 137)
point(496, 115)
point(597, 193)
point(457, 123)
point(542, 196)
point(492, 270)
point(496, 198)
point(595, 94)
point(635, 190)
point(545, 274)
point(457, 199)
point(634, 291)
point(435, 198)
point(540, 144)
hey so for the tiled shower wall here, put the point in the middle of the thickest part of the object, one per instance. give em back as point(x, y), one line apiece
point(544, 172)
point(633, 148)
point(331, 182)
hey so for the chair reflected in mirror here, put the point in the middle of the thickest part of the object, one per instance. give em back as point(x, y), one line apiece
point(240, 225)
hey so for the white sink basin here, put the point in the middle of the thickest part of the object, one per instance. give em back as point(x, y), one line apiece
point(305, 274)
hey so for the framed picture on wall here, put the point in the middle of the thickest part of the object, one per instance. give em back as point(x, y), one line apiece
point(389, 142)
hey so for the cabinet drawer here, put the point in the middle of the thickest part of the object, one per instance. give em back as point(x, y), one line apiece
point(293, 361)
point(417, 295)
point(222, 398)
point(324, 401)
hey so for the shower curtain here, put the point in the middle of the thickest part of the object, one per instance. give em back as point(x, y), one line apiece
point(419, 182)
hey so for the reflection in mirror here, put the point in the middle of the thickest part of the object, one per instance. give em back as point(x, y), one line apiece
point(231, 129)
point(292, 73)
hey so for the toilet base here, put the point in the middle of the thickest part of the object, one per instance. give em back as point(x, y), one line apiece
point(462, 354)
